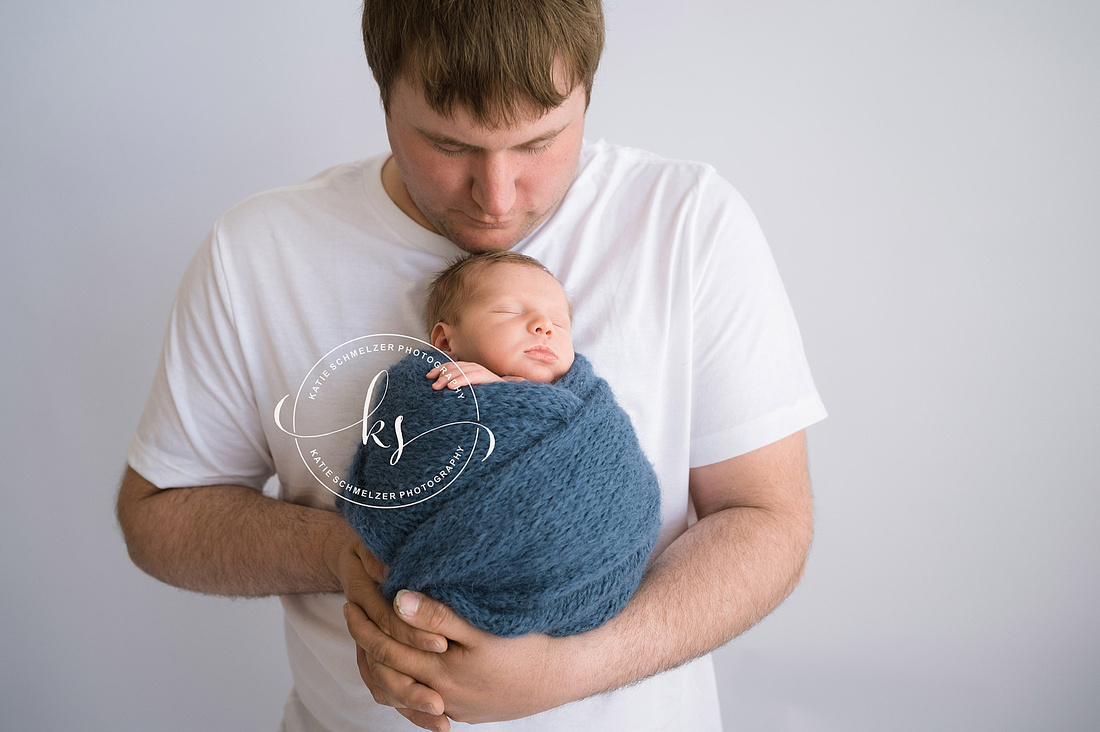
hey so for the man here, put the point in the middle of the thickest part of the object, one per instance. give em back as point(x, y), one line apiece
point(677, 303)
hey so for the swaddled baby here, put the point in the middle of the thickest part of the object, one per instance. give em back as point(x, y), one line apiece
point(550, 532)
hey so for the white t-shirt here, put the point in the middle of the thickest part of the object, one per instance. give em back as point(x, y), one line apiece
point(676, 302)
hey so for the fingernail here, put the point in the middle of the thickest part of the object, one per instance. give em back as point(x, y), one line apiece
point(346, 614)
point(407, 603)
point(434, 646)
point(427, 708)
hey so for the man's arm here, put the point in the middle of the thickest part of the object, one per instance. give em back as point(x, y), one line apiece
point(716, 580)
point(232, 540)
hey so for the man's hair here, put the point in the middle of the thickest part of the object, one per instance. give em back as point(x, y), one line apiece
point(497, 59)
point(454, 288)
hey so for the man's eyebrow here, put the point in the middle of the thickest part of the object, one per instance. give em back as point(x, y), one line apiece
point(445, 140)
point(549, 135)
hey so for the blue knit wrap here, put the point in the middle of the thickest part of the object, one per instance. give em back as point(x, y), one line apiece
point(550, 534)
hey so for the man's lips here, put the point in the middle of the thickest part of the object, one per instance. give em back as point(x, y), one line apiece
point(492, 224)
point(542, 353)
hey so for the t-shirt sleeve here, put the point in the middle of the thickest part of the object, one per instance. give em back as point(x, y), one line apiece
point(751, 384)
point(201, 425)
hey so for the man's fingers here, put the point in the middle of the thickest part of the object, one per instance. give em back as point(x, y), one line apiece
point(363, 661)
point(426, 614)
point(388, 686)
point(370, 672)
point(373, 567)
point(427, 721)
point(362, 590)
point(397, 690)
point(380, 611)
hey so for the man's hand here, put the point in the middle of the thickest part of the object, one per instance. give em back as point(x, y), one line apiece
point(360, 575)
point(478, 678)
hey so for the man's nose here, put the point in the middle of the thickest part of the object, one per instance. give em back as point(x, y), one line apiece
point(494, 184)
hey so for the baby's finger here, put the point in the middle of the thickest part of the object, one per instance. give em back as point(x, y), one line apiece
point(448, 379)
point(458, 380)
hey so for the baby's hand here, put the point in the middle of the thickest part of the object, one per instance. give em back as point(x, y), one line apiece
point(467, 373)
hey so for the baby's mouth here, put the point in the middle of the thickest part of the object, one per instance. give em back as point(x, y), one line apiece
point(542, 353)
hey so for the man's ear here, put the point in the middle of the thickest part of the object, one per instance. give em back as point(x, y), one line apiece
point(441, 337)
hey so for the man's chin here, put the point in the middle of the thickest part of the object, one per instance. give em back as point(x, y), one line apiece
point(474, 239)
point(477, 243)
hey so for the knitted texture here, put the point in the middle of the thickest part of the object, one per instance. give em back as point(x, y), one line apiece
point(551, 533)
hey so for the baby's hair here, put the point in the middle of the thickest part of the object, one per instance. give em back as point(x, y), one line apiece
point(453, 288)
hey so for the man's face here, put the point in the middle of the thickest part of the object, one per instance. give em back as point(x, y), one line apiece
point(484, 189)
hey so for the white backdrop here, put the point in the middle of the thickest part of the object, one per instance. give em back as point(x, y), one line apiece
point(927, 173)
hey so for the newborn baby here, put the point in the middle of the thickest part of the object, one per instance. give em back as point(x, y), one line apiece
point(551, 531)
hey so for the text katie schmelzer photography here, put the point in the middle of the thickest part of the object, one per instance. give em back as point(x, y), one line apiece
point(346, 388)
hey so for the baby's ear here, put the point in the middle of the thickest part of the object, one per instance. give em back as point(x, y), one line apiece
point(441, 337)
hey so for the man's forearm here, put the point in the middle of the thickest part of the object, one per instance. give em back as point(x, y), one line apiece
point(719, 578)
point(713, 583)
point(725, 573)
point(230, 540)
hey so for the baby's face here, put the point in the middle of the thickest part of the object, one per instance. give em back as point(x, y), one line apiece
point(517, 324)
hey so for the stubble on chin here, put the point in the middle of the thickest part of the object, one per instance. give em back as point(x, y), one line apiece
point(473, 241)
